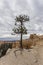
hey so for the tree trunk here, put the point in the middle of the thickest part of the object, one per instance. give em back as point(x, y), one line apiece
point(21, 37)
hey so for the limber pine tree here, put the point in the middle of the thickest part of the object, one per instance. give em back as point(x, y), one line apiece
point(21, 29)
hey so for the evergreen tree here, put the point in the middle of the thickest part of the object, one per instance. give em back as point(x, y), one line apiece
point(21, 29)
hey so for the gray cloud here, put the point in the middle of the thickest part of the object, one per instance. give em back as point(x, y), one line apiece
point(10, 8)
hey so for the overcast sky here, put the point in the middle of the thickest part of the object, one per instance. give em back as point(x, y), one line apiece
point(10, 8)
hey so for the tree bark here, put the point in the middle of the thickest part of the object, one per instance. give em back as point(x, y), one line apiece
point(21, 37)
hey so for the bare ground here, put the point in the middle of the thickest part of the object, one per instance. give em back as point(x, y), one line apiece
point(28, 57)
